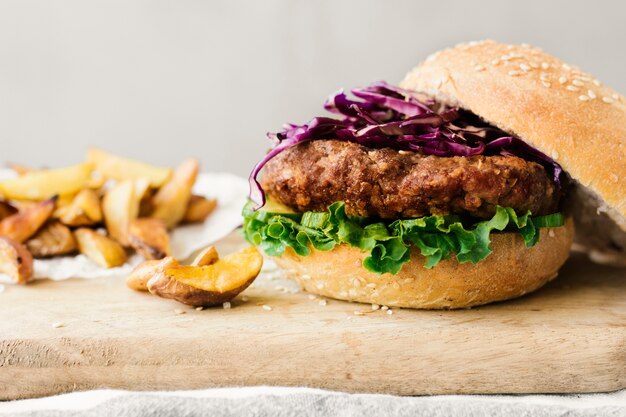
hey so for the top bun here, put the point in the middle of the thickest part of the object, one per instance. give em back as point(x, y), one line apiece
point(562, 111)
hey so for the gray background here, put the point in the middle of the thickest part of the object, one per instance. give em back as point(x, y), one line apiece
point(162, 80)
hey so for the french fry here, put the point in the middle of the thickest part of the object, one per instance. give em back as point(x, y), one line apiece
point(120, 206)
point(199, 208)
point(15, 260)
point(118, 168)
point(25, 223)
point(149, 238)
point(170, 202)
point(103, 250)
point(83, 210)
point(39, 185)
point(52, 240)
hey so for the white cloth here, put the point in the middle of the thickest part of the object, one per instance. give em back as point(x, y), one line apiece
point(299, 402)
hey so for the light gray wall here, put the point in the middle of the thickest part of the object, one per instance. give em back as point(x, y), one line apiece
point(162, 80)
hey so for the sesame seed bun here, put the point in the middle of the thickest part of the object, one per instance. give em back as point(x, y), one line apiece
point(510, 271)
point(562, 111)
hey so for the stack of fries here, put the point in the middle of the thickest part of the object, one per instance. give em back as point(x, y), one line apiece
point(102, 208)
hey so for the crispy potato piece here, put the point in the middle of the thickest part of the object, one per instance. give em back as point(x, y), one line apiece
point(149, 238)
point(15, 260)
point(6, 210)
point(207, 256)
point(52, 240)
point(199, 208)
point(211, 284)
point(118, 168)
point(120, 206)
point(139, 277)
point(23, 224)
point(39, 185)
point(170, 202)
point(83, 210)
point(101, 249)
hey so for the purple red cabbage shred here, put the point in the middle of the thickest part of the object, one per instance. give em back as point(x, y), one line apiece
point(386, 116)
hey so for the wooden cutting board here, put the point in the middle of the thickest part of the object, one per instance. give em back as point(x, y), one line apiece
point(568, 337)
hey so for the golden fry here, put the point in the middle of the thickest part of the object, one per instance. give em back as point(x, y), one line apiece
point(170, 202)
point(211, 284)
point(15, 260)
point(52, 240)
point(83, 210)
point(25, 223)
point(120, 205)
point(199, 208)
point(118, 168)
point(206, 256)
point(149, 238)
point(39, 185)
point(103, 250)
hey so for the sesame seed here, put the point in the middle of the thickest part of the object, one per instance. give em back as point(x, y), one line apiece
point(607, 100)
point(546, 84)
point(545, 65)
point(555, 154)
point(505, 58)
point(614, 177)
point(178, 311)
point(562, 80)
point(495, 62)
point(551, 233)
point(390, 312)
point(583, 98)
point(584, 78)
point(544, 76)
point(312, 297)
point(596, 82)
point(479, 68)
point(615, 96)
point(375, 307)
point(58, 324)
point(514, 73)
point(226, 305)
point(534, 65)
point(566, 67)
point(572, 88)
point(591, 94)
point(323, 302)
point(578, 83)
point(306, 276)
point(524, 67)
point(371, 285)
point(244, 298)
point(384, 308)
point(199, 308)
point(266, 307)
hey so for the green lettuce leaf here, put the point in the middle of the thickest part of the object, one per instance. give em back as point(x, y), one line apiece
point(388, 243)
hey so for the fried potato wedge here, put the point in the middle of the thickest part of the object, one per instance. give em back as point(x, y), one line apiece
point(25, 223)
point(6, 210)
point(211, 284)
point(15, 260)
point(199, 208)
point(118, 168)
point(170, 202)
point(149, 238)
point(206, 256)
point(120, 206)
point(139, 277)
point(39, 185)
point(83, 210)
point(101, 249)
point(52, 240)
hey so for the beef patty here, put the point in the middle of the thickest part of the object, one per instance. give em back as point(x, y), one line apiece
point(391, 184)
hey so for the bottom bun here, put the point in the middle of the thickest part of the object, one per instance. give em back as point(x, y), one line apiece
point(510, 271)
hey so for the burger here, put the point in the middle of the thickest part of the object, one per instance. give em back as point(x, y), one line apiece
point(459, 187)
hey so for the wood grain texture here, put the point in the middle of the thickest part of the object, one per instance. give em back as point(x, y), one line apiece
point(568, 337)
